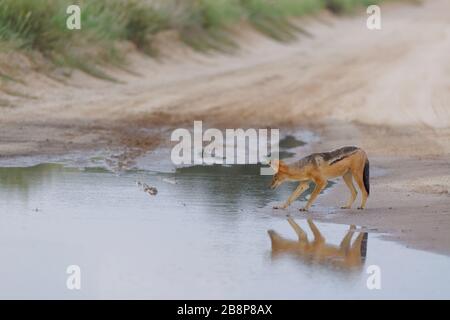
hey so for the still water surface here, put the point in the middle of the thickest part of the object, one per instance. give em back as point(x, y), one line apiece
point(203, 236)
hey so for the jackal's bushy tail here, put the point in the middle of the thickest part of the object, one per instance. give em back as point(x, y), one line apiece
point(364, 247)
point(366, 177)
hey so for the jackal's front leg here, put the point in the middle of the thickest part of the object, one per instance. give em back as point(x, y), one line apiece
point(318, 237)
point(320, 185)
point(302, 187)
point(302, 236)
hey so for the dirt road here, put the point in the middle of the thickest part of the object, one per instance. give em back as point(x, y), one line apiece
point(387, 91)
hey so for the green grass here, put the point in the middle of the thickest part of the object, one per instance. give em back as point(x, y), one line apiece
point(40, 25)
point(273, 17)
point(347, 6)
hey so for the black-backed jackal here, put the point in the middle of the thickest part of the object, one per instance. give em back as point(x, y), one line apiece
point(348, 255)
point(348, 162)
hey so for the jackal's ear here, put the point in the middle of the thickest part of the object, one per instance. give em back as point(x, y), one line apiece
point(275, 165)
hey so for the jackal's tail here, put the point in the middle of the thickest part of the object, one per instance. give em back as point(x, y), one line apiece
point(364, 247)
point(366, 177)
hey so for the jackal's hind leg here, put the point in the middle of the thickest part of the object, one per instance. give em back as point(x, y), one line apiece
point(345, 243)
point(359, 246)
point(358, 241)
point(359, 180)
point(349, 182)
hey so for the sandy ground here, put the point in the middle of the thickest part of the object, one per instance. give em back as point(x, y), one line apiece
point(386, 91)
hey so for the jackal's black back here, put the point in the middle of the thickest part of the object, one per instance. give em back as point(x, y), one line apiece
point(338, 153)
point(331, 157)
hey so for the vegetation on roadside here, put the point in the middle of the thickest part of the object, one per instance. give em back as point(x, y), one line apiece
point(40, 25)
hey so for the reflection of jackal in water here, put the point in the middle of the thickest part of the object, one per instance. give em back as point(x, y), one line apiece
point(347, 255)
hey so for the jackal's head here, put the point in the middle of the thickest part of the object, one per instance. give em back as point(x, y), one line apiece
point(281, 173)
